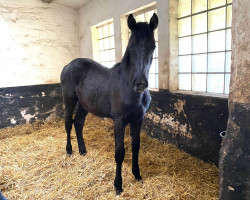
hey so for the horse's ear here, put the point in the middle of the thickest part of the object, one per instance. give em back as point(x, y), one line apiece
point(131, 22)
point(153, 22)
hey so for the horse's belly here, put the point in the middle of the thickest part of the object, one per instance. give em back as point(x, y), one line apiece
point(98, 106)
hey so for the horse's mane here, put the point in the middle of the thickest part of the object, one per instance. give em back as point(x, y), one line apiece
point(116, 65)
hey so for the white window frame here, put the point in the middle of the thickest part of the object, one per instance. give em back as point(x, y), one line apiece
point(226, 51)
point(104, 45)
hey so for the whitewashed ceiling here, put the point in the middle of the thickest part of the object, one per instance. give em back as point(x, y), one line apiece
point(76, 4)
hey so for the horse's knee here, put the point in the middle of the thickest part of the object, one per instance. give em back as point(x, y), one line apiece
point(119, 154)
point(68, 123)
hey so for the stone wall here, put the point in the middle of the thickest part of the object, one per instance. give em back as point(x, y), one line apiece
point(235, 152)
point(26, 104)
point(37, 39)
point(191, 122)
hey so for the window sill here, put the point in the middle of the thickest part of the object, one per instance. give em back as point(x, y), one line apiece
point(206, 94)
point(153, 89)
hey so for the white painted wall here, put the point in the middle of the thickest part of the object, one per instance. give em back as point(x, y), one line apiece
point(97, 11)
point(36, 40)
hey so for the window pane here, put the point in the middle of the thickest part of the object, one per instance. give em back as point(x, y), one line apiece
point(156, 66)
point(229, 16)
point(199, 63)
point(111, 42)
point(216, 19)
point(102, 56)
point(199, 82)
point(185, 45)
point(156, 34)
point(199, 23)
point(216, 3)
point(101, 46)
point(184, 81)
point(185, 63)
point(148, 15)
point(229, 1)
point(107, 55)
point(199, 5)
point(112, 54)
point(151, 81)
point(156, 81)
point(200, 43)
point(100, 33)
point(215, 83)
point(106, 43)
point(216, 41)
point(111, 29)
point(184, 26)
point(184, 8)
point(228, 61)
point(227, 83)
point(105, 31)
point(216, 62)
point(140, 18)
point(229, 38)
point(152, 68)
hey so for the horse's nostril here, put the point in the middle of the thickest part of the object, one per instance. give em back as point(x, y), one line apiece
point(142, 84)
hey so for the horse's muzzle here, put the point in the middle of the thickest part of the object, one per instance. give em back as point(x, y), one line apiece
point(140, 86)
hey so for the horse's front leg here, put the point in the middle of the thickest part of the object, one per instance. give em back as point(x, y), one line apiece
point(135, 129)
point(119, 129)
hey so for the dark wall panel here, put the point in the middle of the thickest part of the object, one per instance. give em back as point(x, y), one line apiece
point(191, 122)
point(27, 104)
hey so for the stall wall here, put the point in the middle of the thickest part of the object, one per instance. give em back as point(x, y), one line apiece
point(235, 151)
point(37, 39)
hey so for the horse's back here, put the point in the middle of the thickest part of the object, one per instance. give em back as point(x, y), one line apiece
point(77, 70)
point(88, 81)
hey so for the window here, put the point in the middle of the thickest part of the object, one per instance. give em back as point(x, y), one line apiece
point(204, 32)
point(106, 44)
point(145, 16)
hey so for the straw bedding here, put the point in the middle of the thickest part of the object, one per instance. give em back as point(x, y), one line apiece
point(34, 165)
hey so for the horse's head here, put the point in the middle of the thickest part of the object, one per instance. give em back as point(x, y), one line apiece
point(139, 53)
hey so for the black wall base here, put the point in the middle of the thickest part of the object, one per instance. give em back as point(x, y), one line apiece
point(235, 155)
point(26, 104)
point(190, 122)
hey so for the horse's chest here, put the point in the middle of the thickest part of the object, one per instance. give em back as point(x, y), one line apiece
point(134, 112)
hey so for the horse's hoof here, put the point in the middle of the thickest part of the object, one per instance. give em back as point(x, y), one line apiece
point(138, 177)
point(69, 154)
point(118, 191)
point(83, 153)
point(69, 150)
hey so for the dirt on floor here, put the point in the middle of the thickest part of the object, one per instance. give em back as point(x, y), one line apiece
point(34, 165)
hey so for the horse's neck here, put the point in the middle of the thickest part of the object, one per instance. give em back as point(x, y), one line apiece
point(126, 87)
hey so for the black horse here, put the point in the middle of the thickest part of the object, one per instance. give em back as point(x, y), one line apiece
point(119, 93)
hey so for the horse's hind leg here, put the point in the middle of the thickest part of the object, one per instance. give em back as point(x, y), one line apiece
point(79, 122)
point(70, 104)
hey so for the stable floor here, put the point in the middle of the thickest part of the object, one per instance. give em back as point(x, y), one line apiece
point(34, 165)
